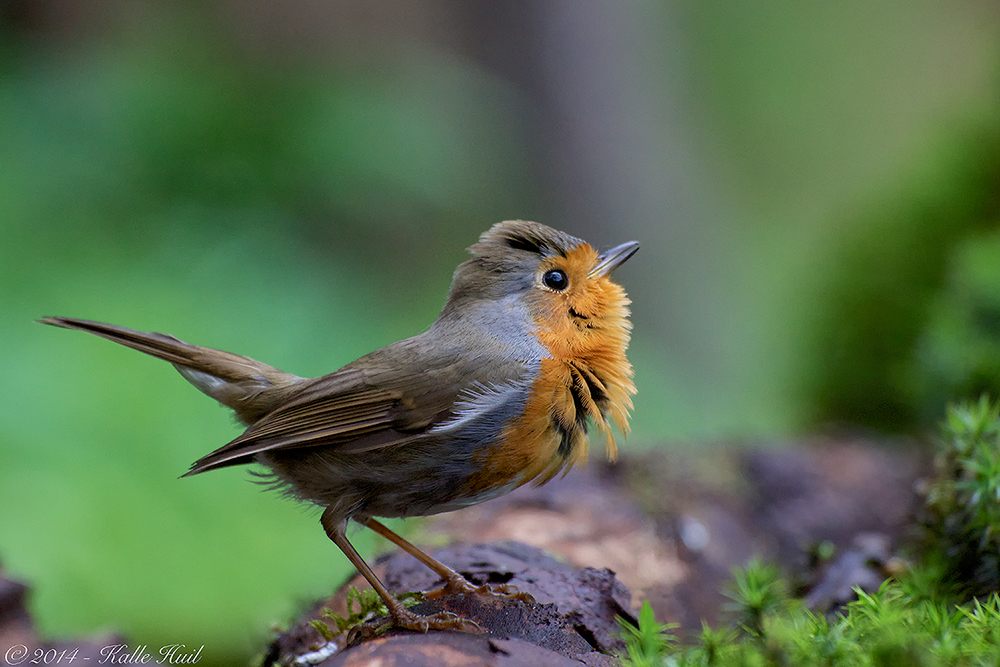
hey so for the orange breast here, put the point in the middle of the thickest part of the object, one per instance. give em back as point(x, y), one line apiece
point(536, 445)
point(586, 379)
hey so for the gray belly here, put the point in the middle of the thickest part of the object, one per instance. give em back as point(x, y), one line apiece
point(422, 475)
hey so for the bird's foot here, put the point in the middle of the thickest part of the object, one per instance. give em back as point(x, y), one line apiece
point(444, 620)
point(407, 620)
point(459, 584)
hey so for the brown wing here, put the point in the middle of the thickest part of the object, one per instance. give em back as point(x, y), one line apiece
point(362, 406)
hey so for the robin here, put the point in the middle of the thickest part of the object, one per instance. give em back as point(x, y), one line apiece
point(528, 350)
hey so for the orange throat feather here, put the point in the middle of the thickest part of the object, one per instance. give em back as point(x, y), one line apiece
point(586, 378)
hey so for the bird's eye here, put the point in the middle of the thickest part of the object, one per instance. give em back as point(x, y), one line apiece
point(555, 279)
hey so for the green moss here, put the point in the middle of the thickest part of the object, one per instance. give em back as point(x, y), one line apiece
point(961, 518)
point(943, 611)
point(887, 628)
point(648, 642)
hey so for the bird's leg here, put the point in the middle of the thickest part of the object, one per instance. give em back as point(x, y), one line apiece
point(453, 581)
point(335, 528)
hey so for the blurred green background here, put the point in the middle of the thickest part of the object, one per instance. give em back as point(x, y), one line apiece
point(815, 185)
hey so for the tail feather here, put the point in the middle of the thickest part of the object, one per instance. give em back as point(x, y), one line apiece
point(249, 387)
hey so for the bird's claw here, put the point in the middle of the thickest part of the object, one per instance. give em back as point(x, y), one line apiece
point(407, 620)
point(461, 585)
point(444, 620)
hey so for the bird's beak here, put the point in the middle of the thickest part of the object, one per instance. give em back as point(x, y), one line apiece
point(612, 259)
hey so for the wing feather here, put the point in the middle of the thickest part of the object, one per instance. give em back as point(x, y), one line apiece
point(370, 403)
point(354, 409)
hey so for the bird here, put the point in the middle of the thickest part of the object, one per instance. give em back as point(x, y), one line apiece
point(528, 353)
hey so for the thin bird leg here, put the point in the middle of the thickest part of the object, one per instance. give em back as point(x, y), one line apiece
point(401, 617)
point(453, 581)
